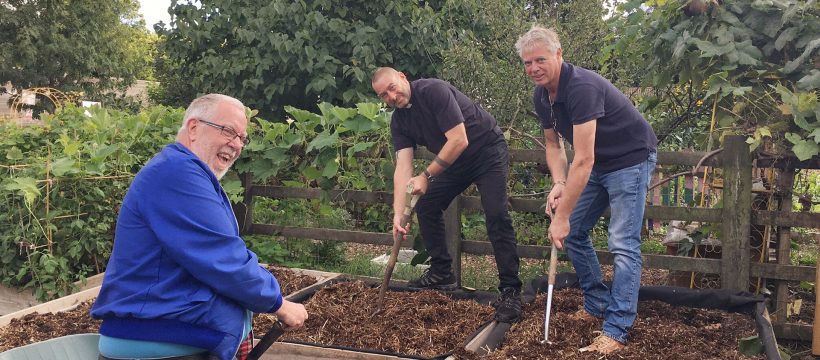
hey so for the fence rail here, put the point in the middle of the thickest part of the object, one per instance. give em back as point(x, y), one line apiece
point(736, 220)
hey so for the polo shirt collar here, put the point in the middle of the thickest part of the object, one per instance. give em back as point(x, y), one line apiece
point(563, 81)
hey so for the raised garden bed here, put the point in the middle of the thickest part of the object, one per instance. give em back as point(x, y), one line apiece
point(70, 315)
point(662, 331)
point(416, 324)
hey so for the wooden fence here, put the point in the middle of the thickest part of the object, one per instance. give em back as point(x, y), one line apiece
point(735, 269)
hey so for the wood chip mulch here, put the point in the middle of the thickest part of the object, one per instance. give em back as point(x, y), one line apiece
point(661, 331)
point(36, 327)
point(424, 323)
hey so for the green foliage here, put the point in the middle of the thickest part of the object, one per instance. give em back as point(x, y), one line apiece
point(323, 150)
point(73, 45)
point(481, 60)
point(62, 184)
point(273, 53)
point(753, 61)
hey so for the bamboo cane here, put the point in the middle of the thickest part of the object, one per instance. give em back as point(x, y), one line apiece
point(815, 342)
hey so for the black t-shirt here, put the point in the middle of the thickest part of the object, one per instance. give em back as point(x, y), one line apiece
point(436, 107)
point(622, 137)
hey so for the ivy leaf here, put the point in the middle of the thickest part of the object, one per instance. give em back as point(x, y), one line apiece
point(331, 168)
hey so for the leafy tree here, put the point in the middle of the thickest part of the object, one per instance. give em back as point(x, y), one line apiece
point(72, 45)
point(276, 53)
point(752, 64)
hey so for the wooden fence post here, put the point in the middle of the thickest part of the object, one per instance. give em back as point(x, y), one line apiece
point(737, 213)
point(783, 191)
point(452, 235)
point(244, 210)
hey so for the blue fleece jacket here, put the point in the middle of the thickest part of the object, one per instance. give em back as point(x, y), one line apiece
point(179, 272)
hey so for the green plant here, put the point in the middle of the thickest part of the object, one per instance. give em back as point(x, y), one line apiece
point(62, 184)
point(751, 62)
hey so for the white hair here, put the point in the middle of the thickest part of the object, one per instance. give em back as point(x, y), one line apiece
point(205, 106)
point(538, 36)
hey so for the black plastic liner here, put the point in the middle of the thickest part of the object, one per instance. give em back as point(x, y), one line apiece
point(740, 302)
point(481, 297)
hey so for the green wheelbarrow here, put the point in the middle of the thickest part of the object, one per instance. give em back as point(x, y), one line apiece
point(70, 347)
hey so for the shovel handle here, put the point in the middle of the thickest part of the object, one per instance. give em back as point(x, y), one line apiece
point(270, 337)
point(553, 263)
point(409, 205)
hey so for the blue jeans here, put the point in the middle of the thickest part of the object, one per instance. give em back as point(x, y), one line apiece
point(624, 191)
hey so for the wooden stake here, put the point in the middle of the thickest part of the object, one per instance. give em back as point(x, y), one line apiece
point(815, 342)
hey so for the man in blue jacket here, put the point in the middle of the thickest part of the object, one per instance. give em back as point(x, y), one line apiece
point(615, 155)
point(180, 282)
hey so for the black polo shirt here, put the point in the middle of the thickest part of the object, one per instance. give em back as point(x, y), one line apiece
point(436, 107)
point(622, 137)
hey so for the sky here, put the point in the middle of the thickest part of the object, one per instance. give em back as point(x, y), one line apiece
point(154, 11)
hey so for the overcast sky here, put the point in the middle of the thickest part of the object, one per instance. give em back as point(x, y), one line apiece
point(154, 11)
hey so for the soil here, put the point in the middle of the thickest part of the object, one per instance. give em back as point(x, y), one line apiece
point(36, 327)
point(660, 332)
point(425, 323)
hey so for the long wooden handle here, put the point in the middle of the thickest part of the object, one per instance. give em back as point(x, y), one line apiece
point(409, 205)
point(270, 337)
point(553, 263)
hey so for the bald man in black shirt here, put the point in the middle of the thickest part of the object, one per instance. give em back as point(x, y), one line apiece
point(470, 149)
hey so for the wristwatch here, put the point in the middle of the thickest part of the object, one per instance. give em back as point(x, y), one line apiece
point(428, 174)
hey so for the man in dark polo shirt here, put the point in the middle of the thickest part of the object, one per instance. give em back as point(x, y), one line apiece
point(470, 149)
point(615, 154)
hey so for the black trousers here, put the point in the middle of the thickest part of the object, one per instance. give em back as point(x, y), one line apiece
point(488, 170)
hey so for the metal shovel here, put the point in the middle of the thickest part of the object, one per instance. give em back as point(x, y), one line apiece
point(409, 204)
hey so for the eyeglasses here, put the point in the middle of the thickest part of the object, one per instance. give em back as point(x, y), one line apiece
point(227, 132)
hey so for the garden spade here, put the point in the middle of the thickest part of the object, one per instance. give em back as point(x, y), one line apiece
point(270, 337)
point(551, 284)
point(409, 204)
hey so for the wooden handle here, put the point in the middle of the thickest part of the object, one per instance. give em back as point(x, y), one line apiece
point(409, 205)
point(270, 337)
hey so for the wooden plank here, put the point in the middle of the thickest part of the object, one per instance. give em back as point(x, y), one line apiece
point(792, 331)
point(361, 237)
point(782, 272)
point(62, 304)
point(282, 192)
point(290, 351)
point(737, 207)
point(669, 262)
point(785, 218)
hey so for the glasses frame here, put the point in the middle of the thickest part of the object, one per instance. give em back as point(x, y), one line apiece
point(227, 132)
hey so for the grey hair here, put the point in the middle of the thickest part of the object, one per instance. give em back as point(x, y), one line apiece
point(538, 36)
point(205, 106)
